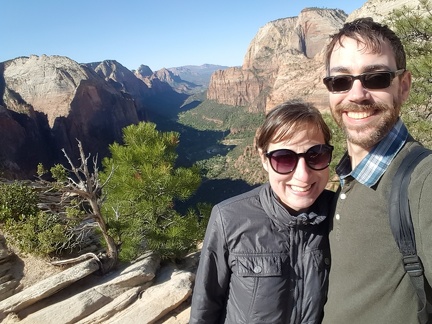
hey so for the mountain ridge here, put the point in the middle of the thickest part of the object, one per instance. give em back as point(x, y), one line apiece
point(274, 65)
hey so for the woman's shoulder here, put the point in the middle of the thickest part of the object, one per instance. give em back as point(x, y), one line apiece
point(244, 197)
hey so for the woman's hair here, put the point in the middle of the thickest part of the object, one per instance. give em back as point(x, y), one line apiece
point(284, 120)
point(373, 35)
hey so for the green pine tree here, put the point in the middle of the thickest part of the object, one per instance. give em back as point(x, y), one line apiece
point(141, 193)
point(414, 26)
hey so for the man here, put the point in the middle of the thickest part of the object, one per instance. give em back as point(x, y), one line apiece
point(368, 83)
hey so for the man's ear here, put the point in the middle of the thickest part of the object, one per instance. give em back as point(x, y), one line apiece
point(405, 85)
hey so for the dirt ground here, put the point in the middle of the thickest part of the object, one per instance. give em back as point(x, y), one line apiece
point(29, 269)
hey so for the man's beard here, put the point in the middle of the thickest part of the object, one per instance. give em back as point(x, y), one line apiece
point(367, 137)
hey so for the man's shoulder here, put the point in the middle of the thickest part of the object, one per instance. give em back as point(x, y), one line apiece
point(414, 149)
point(418, 158)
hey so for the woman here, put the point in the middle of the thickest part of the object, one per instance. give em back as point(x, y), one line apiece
point(265, 256)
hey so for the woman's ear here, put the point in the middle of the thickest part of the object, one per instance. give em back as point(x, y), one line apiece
point(264, 159)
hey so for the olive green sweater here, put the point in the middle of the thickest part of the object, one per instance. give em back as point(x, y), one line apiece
point(368, 284)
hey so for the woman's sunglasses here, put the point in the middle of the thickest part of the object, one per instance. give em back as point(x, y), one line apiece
point(370, 80)
point(284, 161)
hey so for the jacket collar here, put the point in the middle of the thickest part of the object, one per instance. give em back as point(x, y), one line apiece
point(281, 216)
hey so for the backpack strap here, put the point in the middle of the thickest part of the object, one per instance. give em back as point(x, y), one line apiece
point(403, 230)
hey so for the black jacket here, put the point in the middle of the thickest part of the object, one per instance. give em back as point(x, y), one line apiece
point(259, 264)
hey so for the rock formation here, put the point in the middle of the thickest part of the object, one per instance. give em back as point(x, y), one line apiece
point(123, 80)
point(238, 87)
point(274, 66)
point(48, 102)
point(143, 85)
point(197, 74)
point(178, 84)
point(144, 291)
point(379, 9)
point(168, 92)
point(285, 59)
point(8, 282)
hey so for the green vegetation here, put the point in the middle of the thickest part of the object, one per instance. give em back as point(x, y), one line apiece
point(27, 227)
point(238, 127)
point(17, 201)
point(131, 204)
point(142, 191)
point(210, 115)
point(414, 27)
point(339, 143)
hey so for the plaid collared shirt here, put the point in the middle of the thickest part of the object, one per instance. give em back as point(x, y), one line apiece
point(373, 166)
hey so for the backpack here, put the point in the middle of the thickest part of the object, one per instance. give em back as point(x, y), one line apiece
point(403, 231)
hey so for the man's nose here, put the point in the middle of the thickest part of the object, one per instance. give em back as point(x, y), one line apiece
point(357, 93)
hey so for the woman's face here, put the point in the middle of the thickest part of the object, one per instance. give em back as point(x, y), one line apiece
point(298, 189)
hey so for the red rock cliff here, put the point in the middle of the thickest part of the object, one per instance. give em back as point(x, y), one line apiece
point(48, 102)
point(283, 61)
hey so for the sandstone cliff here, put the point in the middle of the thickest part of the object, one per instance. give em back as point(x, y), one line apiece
point(197, 74)
point(274, 66)
point(123, 80)
point(285, 58)
point(48, 102)
point(379, 9)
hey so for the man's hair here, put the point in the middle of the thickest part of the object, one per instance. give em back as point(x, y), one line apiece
point(288, 118)
point(373, 35)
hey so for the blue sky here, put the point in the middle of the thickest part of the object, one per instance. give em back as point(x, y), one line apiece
point(157, 33)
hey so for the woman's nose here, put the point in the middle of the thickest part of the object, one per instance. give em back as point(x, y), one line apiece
point(302, 171)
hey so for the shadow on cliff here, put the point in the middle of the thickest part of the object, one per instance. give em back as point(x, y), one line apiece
point(190, 105)
point(167, 104)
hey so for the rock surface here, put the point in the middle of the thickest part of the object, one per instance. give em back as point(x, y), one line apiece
point(143, 292)
point(47, 287)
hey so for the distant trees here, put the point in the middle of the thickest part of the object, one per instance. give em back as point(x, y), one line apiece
point(130, 204)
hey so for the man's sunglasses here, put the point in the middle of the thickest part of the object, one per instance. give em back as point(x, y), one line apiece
point(284, 161)
point(370, 80)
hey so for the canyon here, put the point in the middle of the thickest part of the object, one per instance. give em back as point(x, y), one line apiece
point(49, 101)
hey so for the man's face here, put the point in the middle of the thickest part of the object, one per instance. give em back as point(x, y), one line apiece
point(366, 115)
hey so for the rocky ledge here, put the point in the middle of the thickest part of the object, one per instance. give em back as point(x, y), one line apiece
point(145, 291)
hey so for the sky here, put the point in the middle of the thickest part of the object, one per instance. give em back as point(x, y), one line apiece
point(156, 33)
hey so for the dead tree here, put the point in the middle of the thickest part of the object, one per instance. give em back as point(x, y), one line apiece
point(85, 187)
